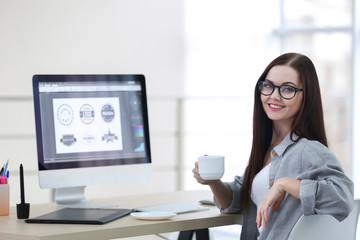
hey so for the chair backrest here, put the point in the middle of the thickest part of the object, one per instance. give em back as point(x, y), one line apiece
point(317, 227)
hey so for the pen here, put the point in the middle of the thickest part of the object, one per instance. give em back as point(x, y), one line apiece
point(5, 169)
point(7, 177)
point(2, 169)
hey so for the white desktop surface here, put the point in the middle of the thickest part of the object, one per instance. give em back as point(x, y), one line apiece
point(12, 228)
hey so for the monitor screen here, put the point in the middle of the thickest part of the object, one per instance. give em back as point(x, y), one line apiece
point(91, 129)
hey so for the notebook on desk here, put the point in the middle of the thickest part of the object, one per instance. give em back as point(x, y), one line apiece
point(80, 216)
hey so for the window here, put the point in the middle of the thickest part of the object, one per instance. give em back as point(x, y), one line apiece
point(322, 30)
point(226, 54)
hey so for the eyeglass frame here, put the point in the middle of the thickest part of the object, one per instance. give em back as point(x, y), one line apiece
point(278, 87)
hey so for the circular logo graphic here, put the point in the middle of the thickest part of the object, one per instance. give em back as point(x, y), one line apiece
point(65, 114)
point(107, 113)
point(87, 114)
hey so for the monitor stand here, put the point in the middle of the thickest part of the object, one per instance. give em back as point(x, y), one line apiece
point(74, 197)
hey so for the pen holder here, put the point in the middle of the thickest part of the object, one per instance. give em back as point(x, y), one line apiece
point(4, 199)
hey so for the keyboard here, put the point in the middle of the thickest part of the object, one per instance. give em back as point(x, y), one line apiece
point(177, 207)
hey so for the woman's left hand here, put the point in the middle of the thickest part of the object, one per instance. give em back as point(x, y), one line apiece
point(274, 197)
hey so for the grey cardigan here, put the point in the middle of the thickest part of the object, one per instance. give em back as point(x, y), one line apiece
point(324, 189)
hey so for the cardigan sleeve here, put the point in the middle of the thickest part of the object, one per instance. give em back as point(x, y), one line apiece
point(324, 187)
point(235, 203)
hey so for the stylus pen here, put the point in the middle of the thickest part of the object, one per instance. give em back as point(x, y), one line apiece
point(22, 193)
point(22, 209)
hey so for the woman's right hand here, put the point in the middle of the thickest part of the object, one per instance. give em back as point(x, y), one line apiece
point(221, 191)
point(198, 177)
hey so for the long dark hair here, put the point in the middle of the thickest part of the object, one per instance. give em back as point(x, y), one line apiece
point(308, 122)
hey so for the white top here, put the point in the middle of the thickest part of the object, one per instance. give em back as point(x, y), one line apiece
point(260, 187)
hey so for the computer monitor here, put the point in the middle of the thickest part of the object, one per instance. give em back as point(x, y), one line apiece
point(90, 129)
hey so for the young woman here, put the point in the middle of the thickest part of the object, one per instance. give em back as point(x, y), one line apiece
point(290, 171)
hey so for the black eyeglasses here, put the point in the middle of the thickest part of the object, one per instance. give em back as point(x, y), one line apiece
point(287, 92)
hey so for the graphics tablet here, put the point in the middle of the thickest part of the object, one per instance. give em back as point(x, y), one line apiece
point(80, 216)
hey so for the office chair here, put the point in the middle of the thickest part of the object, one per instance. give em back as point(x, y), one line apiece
point(326, 227)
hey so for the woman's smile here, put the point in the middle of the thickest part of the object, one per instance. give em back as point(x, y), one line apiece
point(275, 107)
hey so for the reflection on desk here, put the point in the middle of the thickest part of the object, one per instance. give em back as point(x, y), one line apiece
point(13, 229)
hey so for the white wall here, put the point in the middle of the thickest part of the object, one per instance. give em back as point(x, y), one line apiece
point(89, 36)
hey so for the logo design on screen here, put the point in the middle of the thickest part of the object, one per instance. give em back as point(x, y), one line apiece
point(87, 114)
point(65, 114)
point(110, 137)
point(107, 113)
point(68, 139)
point(88, 138)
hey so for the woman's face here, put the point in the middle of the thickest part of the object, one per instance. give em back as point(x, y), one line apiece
point(278, 109)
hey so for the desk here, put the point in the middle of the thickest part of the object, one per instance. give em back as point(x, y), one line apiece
point(12, 228)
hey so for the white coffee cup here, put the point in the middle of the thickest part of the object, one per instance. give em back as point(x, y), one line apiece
point(211, 167)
